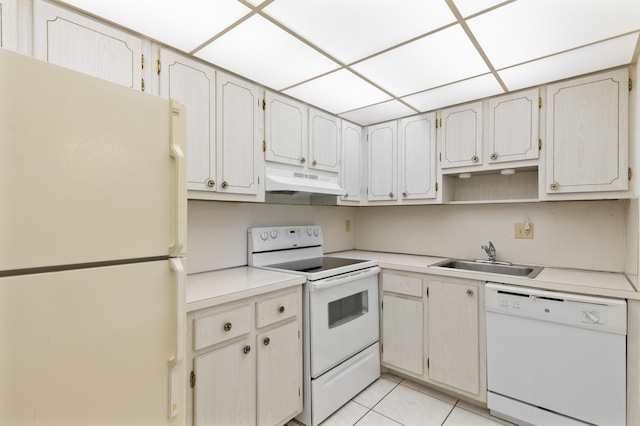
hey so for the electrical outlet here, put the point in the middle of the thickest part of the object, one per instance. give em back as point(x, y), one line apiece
point(347, 225)
point(521, 232)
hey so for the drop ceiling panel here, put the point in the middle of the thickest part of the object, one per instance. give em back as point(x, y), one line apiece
point(377, 113)
point(261, 51)
point(434, 60)
point(338, 92)
point(354, 29)
point(184, 25)
point(530, 29)
point(596, 57)
point(470, 7)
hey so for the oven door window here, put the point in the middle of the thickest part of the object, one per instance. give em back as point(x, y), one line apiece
point(348, 308)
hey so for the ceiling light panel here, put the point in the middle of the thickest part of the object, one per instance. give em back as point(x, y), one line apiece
point(354, 29)
point(263, 52)
point(184, 25)
point(470, 7)
point(338, 92)
point(530, 29)
point(456, 93)
point(608, 54)
point(435, 60)
point(378, 113)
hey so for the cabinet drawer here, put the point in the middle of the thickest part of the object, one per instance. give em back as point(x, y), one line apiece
point(221, 326)
point(276, 309)
point(402, 284)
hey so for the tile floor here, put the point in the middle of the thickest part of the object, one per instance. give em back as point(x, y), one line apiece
point(392, 401)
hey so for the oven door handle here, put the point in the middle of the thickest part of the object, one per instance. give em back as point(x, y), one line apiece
point(342, 279)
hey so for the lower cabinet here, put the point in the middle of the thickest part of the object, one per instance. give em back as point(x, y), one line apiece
point(433, 330)
point(246, 359)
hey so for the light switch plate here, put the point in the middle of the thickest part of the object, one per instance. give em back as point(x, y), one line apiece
point(521, 232)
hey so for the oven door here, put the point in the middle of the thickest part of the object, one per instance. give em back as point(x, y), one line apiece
point(343, 317)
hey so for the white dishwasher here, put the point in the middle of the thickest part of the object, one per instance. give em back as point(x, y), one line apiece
point(555, 358)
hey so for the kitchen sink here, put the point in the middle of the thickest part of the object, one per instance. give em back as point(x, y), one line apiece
point(501, 268)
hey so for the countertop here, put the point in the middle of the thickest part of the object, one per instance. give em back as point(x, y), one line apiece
point(606, 284)
point(207, 289)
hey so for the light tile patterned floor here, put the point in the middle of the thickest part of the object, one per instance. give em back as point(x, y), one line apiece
point(393, 401)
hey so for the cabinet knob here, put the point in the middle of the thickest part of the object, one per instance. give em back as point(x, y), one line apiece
point(246, 349)
point(225, 185)
point(404, 194)
point(227, 326)
point(266, 341)
point(303, 160)
point(469, 292)
point(475, 159)
point(281, 310)
point(554, 186)
point(211, 183)
point(494, 156)
point(391, 195)
point(314, 163)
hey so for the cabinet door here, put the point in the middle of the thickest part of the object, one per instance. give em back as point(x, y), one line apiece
point(224, 392)
point(285, 130)
point(9, 24)
point(587, 134)
point(279, 374)
point(382, 161)
point(454, 354)
point(512, 131)
point(324, 141)
point(74, 41)
point(350, 175)
point(417, 157)
point(402, 333)
point(193, 84)
point(239, 154)
point(461, 135)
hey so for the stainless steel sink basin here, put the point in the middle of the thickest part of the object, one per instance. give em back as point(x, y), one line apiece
point(491, 268)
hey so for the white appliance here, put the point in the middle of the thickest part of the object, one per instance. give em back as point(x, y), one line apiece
point(340, 315)
point(555, 358)
point(92, 230)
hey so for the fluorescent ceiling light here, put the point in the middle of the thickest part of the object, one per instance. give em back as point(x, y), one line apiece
point(596, 57)
point(183, 24)
point(377, 113)
point(351, 30)
point(263, 52)
point(338, 92)
point(441, 58)
point(530, 29)
point(451, 94)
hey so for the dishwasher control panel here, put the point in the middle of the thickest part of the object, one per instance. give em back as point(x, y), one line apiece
point(569, 309)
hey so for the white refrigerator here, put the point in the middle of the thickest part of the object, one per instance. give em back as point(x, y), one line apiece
point(92, 239)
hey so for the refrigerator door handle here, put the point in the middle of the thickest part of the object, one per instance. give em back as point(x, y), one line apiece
point(177, 152)
point(179, 340)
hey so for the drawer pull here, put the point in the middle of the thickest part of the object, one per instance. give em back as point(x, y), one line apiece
point(469, 292)
point(281, 310)
point(266, 341)
point(227, 326)
point(246, 349)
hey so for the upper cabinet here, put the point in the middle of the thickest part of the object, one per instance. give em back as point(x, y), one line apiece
point(417, 157)
point(383, 147)
point(75, 41)
point(512, 129)
point(352, 162)
point(285, 130)
point(587, 135)
point(9, 24)
point(460, 135)
point(324, 141)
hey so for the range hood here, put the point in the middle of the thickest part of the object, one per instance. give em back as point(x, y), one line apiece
point(297, 183)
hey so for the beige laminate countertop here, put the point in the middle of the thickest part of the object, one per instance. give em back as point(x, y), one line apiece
point(207, 289)
point(606, 284)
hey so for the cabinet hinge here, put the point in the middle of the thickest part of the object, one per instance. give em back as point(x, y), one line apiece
point(264, 104)
point(298, 334)
point(158, 66)
point(142, 85)
point(427, 363)
point(436, 186)
point(142, 61)
point(382, 347)
point(436, 123)
point(264, 146)
point(299, 392)
point(630, 173)
point(427, 291)
point(381, 305)
point(539, 101)
point(539, 144)
point(630, 85)
point(192, 380)
point(440, 157)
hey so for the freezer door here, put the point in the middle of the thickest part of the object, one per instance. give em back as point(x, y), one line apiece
point(93, 346)
point(90, 171)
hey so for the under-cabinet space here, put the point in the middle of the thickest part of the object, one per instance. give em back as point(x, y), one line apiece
point(521, 186)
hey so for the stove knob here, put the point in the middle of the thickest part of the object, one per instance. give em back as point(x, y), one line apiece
point(274, 234)
point(315, 232)
point(264, 236)
point(309, 232)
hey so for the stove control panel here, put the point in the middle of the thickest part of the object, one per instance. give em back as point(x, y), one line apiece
point(283, 237)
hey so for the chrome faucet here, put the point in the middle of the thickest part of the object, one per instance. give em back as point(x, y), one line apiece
point(491, 252)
